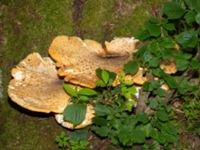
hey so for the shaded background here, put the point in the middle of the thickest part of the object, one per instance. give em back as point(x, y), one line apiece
point(29, 26)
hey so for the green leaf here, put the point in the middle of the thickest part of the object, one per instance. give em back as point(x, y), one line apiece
point(193, 4)
point(75, 113)
point(197, 18)
point(100, 83)
point(102, 110)
point(153, 103)
point(153, 29)
point(169, 26)
point(162, 115)
point(87, 92)
point(99, 121)
point(124, 135)
point(188, 39)
point(139, 136)
point(182, 64)
point(160, 92)
point(105, 76)
point(131, 67)
point(142, 117)
point(166, 43)
point(70, 90)
point(190, 16)
point(194, 63)
point(155, 61)
point(101, 131)
point(173, 11)
point(142, 35)
point(80, 134)
point(169, 80)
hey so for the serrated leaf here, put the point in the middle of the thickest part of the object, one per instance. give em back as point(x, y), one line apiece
point(153, 29)
point(153, 103)
point(101, 131)
point(160, 92)
point(188, 39)
point(155, 61)
point(194, 63)
point(142, 35)
point(102, 110)
point(87, 92)
point(131, 67)
point(182, 64)
point(75, 113)
point(169, 26)
point(169, 80)
point(99, 121)
point(193, 4)
point(70, 90)
point(142, 117)
point(190, 16)
point(162, 115)
point(139, 136)
point(105, 76)
point(172, 10)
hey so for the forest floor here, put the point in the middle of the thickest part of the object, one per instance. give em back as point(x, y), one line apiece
point(29, 26)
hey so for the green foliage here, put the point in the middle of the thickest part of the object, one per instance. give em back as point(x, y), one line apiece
point(131, 67)
point(75, 113)
point(106, 77)
point(68, 142)
point(174, 37)
point(62, 140)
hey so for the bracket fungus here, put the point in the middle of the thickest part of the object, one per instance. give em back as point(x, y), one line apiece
point(36, 85)
point(78, 59)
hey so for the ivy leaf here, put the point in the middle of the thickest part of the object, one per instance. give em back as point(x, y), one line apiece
point(173, 11)
point(105, 76)
point(101, 131)
point(87, 92)
point(162, 115)
point(75, 113)
point(166, 43)
point(188, 39)
point(197, 18)
point(182, 64)
point(70, 90)
point(131, 67)
point(190, 16)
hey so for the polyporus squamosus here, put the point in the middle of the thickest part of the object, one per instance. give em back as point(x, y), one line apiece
point(36, 86)
point(78, 59)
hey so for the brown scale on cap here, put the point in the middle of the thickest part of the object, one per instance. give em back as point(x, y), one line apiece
point(80, 58)
point(36, 86)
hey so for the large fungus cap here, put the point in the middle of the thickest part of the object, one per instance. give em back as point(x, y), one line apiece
point(36, 86)
point(78, 59)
